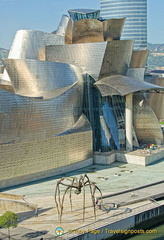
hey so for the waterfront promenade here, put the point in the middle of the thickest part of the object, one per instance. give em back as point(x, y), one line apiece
point(110, 179)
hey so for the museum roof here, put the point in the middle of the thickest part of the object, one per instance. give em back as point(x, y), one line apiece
point(83, 11)
point(123, 85)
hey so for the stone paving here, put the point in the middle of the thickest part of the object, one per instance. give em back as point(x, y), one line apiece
point(109, 178)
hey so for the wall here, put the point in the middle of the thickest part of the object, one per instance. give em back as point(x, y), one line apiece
point(29, 161)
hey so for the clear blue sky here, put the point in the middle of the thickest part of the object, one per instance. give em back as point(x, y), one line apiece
point(45, 15)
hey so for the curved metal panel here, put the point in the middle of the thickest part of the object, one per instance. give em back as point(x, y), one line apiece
point(139, 59)
point(122, 85)
point(137, 73)
point(29, 77)
point(82, 125)
point(116, 58)
point(156, 100)
point(92, 30)
point(69, 32)
point(62, 25)
point(87, 31)
point(112, 28)
point(88, 56)
point(146, 125)
point(96, 59)
point(27, 43)
point(27, 119)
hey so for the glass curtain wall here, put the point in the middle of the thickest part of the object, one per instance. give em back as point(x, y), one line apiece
point(135, 12)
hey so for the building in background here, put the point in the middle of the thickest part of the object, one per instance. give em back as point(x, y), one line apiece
point(135, 12)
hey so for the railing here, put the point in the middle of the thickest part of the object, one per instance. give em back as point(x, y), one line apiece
point(106, 221)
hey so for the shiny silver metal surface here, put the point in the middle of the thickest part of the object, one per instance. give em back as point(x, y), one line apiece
point(27, 43)
point(112, 28)
point(62, 25)
point(92, 30)
point(139, 59)
point(116, 58)
point(156, 100)
point(82, 125)
point(96, 59)
point(145, 122)
point(33, 78)
point(123, 85)
point(137, 73)
point(88, 56)
point(137, 64)
point(69, 32)
point(26, 119)
point(87, 31)
point(30, 161)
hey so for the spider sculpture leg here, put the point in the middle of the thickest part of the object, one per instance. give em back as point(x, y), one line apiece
point(61, 210)
point(81, 180)
point(57, 192)
point(93, 188)
point(87, 183)
point(59, 202)
point(70, 199)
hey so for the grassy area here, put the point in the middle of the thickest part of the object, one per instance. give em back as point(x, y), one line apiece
point(161, 122)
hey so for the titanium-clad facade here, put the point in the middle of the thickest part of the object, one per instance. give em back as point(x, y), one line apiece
point(68, 97)
point(122, 85)
point(96, 59)
point(26, 119)
point(135, 12)
point(93, 30)
point(87, 30)
point(145, 122)
point(57, 75)
point(156, 99)
point(62, 25)
point(43, 131)
point(27, 43)
point(28, 161)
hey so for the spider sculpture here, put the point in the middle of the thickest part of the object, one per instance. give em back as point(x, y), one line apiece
point(78, 185)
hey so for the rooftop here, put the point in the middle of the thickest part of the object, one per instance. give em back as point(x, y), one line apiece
point(83, 11)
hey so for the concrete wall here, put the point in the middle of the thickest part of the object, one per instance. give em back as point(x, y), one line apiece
point(104, 158)
point(136, 157)
point(16, 206)
point(104, 232)
point(120, 224)
point(11, 196)
point(140, 157)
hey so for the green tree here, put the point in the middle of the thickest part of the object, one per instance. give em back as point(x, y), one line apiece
point(7, 220)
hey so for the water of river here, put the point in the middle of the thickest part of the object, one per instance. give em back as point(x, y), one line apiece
point(153, 236)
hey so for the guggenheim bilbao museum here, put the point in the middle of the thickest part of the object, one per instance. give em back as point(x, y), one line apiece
point(67, 94)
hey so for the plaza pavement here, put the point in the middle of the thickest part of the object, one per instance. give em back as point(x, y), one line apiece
point(109, 178)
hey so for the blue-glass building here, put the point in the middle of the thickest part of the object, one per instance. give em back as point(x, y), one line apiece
point(135, 12)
